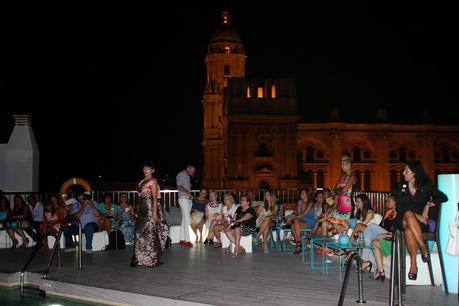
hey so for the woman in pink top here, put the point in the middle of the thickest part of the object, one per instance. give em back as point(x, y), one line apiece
point(53, 215)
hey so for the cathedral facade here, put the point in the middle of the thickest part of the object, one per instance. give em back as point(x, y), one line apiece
point(253, 135)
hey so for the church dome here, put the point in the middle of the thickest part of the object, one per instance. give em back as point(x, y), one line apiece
point(225, 35)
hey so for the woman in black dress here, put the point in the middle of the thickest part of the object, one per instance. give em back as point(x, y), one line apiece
point(243, 225)
point(416, 195)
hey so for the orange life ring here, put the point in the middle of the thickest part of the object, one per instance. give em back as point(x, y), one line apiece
point(75, 181)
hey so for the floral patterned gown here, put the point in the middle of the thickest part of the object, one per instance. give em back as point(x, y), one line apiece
point(150, 238)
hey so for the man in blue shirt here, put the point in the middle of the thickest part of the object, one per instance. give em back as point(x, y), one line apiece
point(85, 209)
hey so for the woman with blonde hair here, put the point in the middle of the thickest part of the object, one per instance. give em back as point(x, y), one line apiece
point(267, 215)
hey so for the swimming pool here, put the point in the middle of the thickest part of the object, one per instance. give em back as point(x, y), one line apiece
point(33, 297)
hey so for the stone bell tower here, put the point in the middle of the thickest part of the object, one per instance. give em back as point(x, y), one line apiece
point(225, 59)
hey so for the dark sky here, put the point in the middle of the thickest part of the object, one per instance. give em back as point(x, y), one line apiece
point(115, 71)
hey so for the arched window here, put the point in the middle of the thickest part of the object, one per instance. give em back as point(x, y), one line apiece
point(402, 155)
point(367, 181)
point(226, 70)
point(306, 177)
point(446, 154)
point(320, 179)
point(263, 150)
point(356, 152)
point(393, 180)
point(358, 183)
point(264, 185)
point(320, 154)
point(309, 154)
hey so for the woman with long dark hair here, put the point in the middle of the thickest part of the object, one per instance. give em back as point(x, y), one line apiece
point(416, 195)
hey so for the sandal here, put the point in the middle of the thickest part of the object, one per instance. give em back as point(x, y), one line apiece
point(298, 249)
point(25, 243)
point(364, 268)
point(425, 257)
point(378, 275)
point(15, 244)
point(413, 276)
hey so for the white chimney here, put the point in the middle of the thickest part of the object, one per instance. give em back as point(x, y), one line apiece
point(19, 158)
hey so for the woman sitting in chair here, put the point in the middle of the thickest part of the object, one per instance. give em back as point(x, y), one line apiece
point(243, 225)
point(364, 214)
point(198, 209)
point(19, 221)
point(266, 219)
point(416, 195)
point(304, 218)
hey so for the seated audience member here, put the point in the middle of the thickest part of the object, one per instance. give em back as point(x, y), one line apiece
point(36, 211)
point(108, 214)
point(198, 208)
point(214, 212)
point(126, 218)
point(19, 221)
point(243, 225)
point(229, 209)
point(85, 209)
point(304, 218)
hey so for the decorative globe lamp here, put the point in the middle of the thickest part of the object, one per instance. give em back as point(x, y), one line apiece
point(343, 239)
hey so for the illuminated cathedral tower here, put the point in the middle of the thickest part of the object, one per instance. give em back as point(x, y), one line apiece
point(225, 59)
point(249, 125)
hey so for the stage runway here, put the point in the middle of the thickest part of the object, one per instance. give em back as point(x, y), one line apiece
point(205, 275)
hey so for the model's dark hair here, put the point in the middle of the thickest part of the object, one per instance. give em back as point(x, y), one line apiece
point(420, 175)
point(149, 164)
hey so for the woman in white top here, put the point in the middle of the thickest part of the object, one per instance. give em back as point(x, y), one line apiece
point(214, 212)
point(267, 215)
point(227, 216)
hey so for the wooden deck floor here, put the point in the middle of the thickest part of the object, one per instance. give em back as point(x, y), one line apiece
point(207, 275)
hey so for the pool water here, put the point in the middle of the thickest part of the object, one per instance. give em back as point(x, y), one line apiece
point(32, 297)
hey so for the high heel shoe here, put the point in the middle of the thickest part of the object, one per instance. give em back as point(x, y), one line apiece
point(206, 241)
point(25, 243)
point(413, 276)
point(379, 275)
point(297, 249)
point(15, 244)
point(367, 267)
point(425, 257)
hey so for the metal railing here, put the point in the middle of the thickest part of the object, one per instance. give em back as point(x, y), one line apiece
point(69, 219)
point(396, 269)
point(35, 249)
point(169, 197)
point(355, 256)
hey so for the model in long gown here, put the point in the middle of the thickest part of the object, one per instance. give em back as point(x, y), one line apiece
point(150, 238)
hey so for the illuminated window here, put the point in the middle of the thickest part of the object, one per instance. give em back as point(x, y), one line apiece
point(249, 94)
point(227, 70)
point(273, 91)
point(260, 92)
point(227, 50)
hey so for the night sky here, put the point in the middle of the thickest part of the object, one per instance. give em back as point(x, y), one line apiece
point(115, 71)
